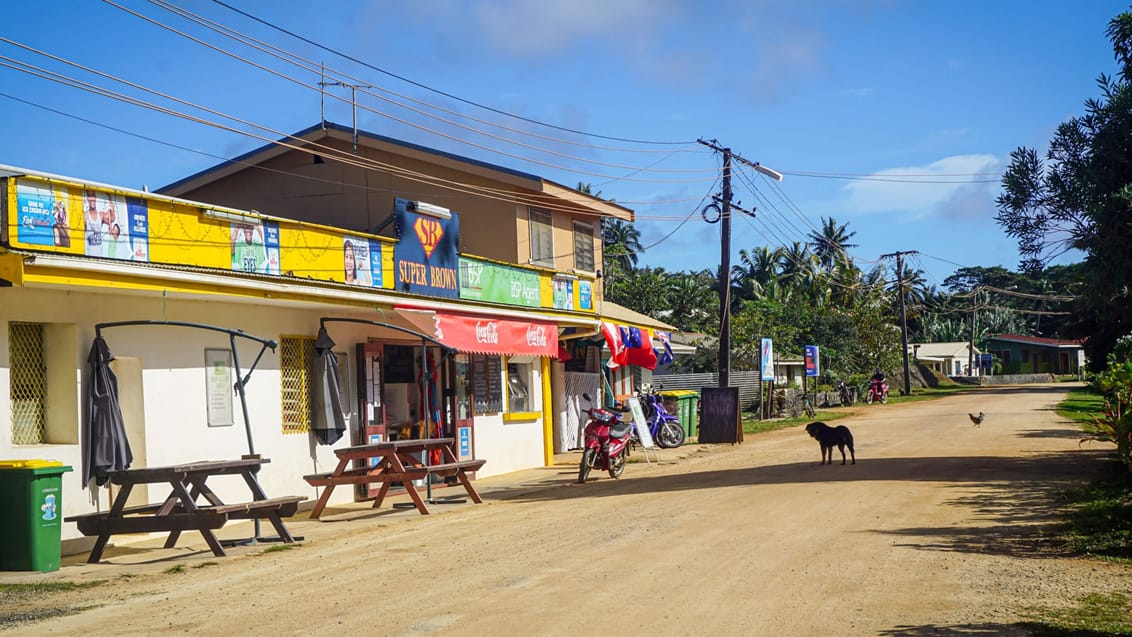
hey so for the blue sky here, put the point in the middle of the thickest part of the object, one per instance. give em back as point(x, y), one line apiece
point(895, 117)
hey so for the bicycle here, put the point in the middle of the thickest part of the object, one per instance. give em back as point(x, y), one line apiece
point(808, 406)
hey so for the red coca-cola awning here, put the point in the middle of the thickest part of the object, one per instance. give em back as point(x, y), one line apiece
point(481, 334)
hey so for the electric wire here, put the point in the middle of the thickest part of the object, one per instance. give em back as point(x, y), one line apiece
point(406, 122)
point(443, 93)
point(264, 46)
point(326, 151)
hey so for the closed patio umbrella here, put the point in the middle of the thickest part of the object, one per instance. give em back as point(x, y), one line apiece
point(329, 417)
point(105, 446)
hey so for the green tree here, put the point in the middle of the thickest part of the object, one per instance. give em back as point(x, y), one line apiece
point(831, 242)
point(621, 245)
point(1080, 197)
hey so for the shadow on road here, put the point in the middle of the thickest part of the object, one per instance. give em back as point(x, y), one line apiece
point(1020, 498)
point(964, 630)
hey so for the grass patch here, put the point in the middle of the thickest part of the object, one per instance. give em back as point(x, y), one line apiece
point(920, 394)
point(11, 591)
point(18, 601)
point(204, 564)
point(173, 570)
point(277, 548)
point(1096, 614)
point(752, 425)
point(1081, 405)
point(1101, 522)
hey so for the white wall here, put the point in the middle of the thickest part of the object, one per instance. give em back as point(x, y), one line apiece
point(508, 446)
point(174, 396)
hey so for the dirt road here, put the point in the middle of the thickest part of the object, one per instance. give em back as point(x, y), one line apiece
point(940, 528)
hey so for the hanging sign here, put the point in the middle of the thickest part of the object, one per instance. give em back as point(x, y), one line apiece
point(425, 258)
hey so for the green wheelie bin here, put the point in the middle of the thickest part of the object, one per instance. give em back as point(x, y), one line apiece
point(31, 493)
point(682, 404)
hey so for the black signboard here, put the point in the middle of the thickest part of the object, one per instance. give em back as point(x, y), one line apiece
point(487, 383)
point(400, 364)
point(719, 420)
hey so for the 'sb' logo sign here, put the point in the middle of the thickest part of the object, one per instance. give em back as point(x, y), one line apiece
point(429, 232)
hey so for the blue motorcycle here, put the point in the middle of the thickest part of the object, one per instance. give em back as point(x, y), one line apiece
point(664, 427)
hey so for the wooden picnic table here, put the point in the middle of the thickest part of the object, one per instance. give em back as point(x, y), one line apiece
point(180, 511)
point(395, 461)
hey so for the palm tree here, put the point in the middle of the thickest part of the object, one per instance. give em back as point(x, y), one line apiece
point(620, 244)
point(799, 270)
point(757, 274)
point(831, 242)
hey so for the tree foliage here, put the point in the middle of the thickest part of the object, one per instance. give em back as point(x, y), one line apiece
point(1080, 197)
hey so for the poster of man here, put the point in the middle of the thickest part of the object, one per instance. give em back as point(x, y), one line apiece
point(98, 217)
point(249, 253)
point(356, 261)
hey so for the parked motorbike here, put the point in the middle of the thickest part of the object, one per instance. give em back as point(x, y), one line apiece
point(878, 391)
point(664, 427)
point(606, 442)
point(845, 392)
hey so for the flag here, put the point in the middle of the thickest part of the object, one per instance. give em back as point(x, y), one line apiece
point(662, 345)
point(616, 346)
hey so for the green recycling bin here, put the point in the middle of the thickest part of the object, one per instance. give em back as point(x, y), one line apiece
point(682, 403)
point(31, 497)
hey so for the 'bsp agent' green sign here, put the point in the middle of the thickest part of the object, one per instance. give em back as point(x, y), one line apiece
point(486, 281)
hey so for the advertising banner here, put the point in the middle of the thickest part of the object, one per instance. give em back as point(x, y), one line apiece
point(255, 246)
point(490, 335)
point(361, 262)
point(766, 359)
point(486, 281)
point(812, 361)
point(425, 256)
point(585, 295)
point(563, 294)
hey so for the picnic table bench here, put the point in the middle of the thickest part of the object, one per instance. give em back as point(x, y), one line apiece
point(390, 462)
point(180, 510)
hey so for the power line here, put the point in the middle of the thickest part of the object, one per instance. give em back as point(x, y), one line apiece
point(411, 124)
point(444, 93)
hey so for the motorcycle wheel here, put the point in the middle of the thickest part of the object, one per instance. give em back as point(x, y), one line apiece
point(883, 397)
point(585, 466)
point(671, 435)
point(617, 464)
point(846, 399)
point(869, 398)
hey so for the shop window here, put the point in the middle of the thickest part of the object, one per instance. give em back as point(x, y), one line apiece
point(584, 246)
point(542, 237)
point(519, 387)
point(41, 378)
point(487, 383)
point(296, 378)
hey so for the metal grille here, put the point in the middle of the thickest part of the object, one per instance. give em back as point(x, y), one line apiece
point(296, 373)
point(28, 385)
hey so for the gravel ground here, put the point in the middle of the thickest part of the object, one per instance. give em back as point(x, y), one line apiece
point(941, 528)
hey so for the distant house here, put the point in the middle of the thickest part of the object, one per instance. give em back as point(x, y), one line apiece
point(1036, 355)
point(949, 359)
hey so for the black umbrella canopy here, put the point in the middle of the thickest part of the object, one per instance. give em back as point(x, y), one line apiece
point(105, 446)
point(329, 417)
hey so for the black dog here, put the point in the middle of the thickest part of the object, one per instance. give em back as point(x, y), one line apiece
point(830, 437)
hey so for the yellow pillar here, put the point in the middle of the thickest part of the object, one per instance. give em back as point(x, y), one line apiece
point(547, 417)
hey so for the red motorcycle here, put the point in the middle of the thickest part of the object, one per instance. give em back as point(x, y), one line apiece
point(878, 391)
point(607, 442)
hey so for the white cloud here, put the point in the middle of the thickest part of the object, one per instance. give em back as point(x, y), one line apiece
point(951, 187)
point(537, 27)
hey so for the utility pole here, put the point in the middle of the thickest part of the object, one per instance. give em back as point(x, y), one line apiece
point(903, 317)
point(724, 204)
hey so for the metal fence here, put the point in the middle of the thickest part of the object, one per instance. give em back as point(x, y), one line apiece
point(749, 383)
